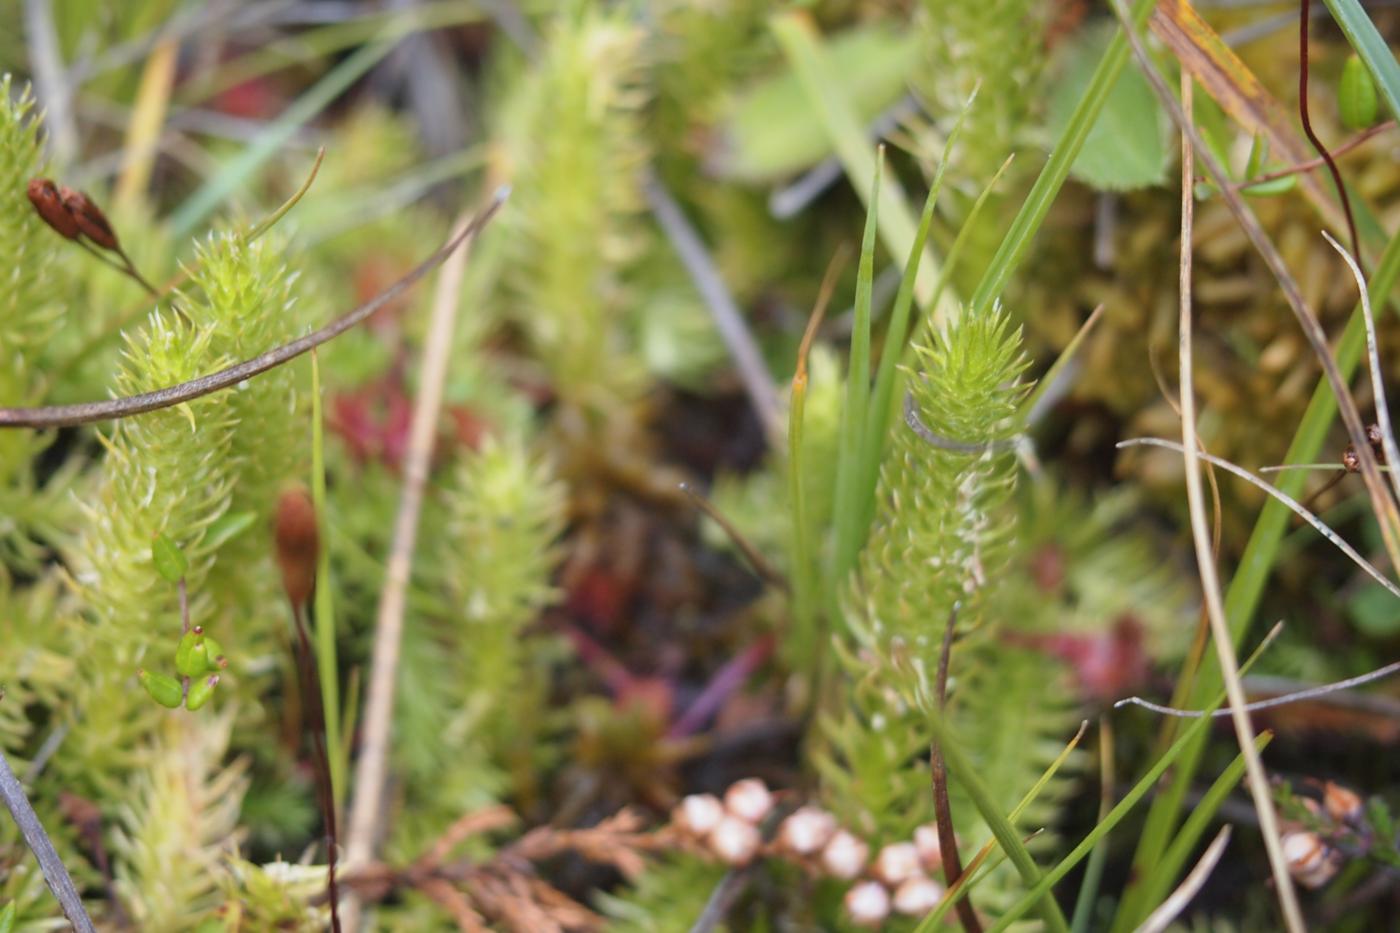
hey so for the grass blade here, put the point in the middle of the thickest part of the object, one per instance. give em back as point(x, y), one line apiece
point(849, 494)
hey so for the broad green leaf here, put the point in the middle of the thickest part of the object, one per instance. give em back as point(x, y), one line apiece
point(771, 131)
point(1128, 146)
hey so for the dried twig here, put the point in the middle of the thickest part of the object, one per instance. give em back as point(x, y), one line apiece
point(59, 881)
point(1190, 886)
point(753, 371)
point(1300, 167)
point(56, 416)
point(1293, 504)
point(1200, 526)
point(1299, 696)
point(372, 766)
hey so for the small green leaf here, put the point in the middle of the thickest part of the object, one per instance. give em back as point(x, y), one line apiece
point(163, 688)
point(200, 692)
point(7, 917)
point(228, 527)
point(1128, 146)
point(1356, 95)
point(169, 559)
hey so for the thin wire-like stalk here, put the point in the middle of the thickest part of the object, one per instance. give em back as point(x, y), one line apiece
point(1298, 696)
point(372, 767)
point(1373, 359)
point(1298, 508)
point(1205, 557)
point(323, 607)
point(57, 416)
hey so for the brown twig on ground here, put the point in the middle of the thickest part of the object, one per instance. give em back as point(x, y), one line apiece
point(373, 764)
point(947, 839)
point(55, 873)
point(505, 887)
point(729, 320)
point(57, 416)
point(1205, 560)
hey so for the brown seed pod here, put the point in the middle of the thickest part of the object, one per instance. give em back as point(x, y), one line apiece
point(92, 223)
point(1351, 460)
point(298, 543)
point(48, 204)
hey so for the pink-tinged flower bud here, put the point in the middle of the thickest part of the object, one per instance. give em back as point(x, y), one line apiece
point(806, 831)
point(698, 814)
point(868, 903)
point(917, 896)
point(930, 848)
point(897, 863)
point(1342, 805)
point(48, 204)
point(749, 800)
point(844, 856)
point(735, 840)
point(1309, 860)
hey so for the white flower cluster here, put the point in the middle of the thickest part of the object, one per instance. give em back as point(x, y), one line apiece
point(898, 879)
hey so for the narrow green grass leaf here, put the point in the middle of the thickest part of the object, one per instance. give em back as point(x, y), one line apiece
point(327, 667)
point(1174, 859)
point(1043, 887)
point(1367, 41)
point(848, 508)
point(1047, 186)
point(897, 333)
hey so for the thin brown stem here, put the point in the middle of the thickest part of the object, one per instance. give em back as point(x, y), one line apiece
point(320, 762)
point(1205, 561)
point(1309, 132)
point(371, 770)
point(1310, 164)
point(947, 840)
point(57, 416)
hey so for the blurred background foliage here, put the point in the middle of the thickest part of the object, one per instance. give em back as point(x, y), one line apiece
point(569, 604)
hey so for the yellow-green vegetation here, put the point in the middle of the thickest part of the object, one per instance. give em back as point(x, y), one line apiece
point(584, 664)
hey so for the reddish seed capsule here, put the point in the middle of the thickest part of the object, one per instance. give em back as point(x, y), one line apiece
point(92, 223)
point(1351, 461)
point(48, 204)
point(298, 543)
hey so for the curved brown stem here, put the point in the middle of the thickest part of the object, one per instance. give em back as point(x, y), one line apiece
point(57, 416)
